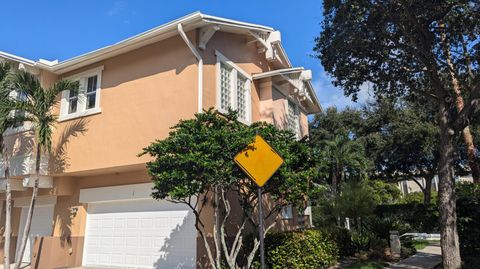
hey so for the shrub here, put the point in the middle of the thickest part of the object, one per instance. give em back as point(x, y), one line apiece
point(421, 218)
point(417, 197)
point(343, 239)
point(362, 241)
point(310, 249)
point(408, 246)
point(323, 215)
point(468, 212)
point(381, 227)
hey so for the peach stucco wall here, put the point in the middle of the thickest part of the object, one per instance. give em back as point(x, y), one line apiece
point(143, 94)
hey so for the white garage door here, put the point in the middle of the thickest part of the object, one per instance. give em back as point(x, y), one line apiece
point(140, 234)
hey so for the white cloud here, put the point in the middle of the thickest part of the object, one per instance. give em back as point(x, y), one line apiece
point(329, 95)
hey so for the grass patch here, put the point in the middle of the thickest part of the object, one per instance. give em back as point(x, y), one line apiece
point(420, 244)
point(367, 265)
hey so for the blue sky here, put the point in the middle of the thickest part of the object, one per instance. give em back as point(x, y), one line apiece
point(64, 29)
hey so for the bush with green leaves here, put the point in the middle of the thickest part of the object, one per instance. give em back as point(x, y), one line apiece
point(407, 246)
point(468, 211)
point(381, 226)
point(418, 197)
point(420, 217)
point(309, 249)
point(343, 239)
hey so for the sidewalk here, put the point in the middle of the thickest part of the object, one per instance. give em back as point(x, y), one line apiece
point(426, 258)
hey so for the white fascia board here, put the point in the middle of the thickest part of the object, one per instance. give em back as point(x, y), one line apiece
point(16, 58)
point(283, 54)
point(116, 193)
point(277, 72)
point(240, 24)
point(315, 100)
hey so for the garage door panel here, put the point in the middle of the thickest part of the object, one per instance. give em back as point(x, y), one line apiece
point(140, 234)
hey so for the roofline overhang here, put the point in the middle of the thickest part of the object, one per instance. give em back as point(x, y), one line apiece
point(286, 71)
point(189, 22)
point(16, 58)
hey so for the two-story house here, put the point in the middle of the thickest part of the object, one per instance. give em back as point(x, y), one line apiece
point(94, 206)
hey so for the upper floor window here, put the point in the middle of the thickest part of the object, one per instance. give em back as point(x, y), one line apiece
point(233, 88)
point(18, 114)
point(287, 212)
point(293, 118)
point(86, 101)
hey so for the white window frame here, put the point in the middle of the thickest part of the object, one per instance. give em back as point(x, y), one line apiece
point(287, 212)
point(82, 110)
point(298, 115)
point(236, 71)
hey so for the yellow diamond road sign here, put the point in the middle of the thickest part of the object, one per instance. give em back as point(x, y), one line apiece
point(259, 160)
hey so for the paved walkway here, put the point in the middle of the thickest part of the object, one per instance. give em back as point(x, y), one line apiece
point(426, 258)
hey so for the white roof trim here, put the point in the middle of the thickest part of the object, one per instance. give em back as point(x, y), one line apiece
point(165, 30)
point(277, 72)
point(191, 21)
point(246, 25)
point(16, 58)
point(286, 71)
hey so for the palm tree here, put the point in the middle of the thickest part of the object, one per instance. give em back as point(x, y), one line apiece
point(342, 155)
point(5, 123)
point(37, 106)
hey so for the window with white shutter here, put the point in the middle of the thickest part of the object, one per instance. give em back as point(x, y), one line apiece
point(233, 89)
point(293, 120)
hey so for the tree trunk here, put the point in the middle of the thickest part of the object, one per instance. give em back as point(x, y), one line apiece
point(8, 216)
point(334, 182)
point(216, 228)
point(446, 195)
point(28, 222)
point(427, 192)
point(459, 103)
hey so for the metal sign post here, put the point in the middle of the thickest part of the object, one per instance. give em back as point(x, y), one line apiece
point(261, 228)
point(259, 161)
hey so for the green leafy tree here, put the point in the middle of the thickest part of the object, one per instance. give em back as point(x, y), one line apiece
point(383, 192)
point(37, 108)
point(341, 156)
point(195, 163)
point(402, 138)
point(356, 201)
point(412, 48)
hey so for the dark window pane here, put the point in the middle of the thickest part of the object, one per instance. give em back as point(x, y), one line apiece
point(72, 94)
point(92, 84)
point(91, 101)
point(72, 108)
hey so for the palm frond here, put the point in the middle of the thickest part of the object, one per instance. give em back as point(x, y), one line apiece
point(27, 84)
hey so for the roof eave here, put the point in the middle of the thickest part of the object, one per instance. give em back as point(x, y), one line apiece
point(16, 58)
point(159, 33)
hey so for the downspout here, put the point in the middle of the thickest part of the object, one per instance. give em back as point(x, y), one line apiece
point(200, 66)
